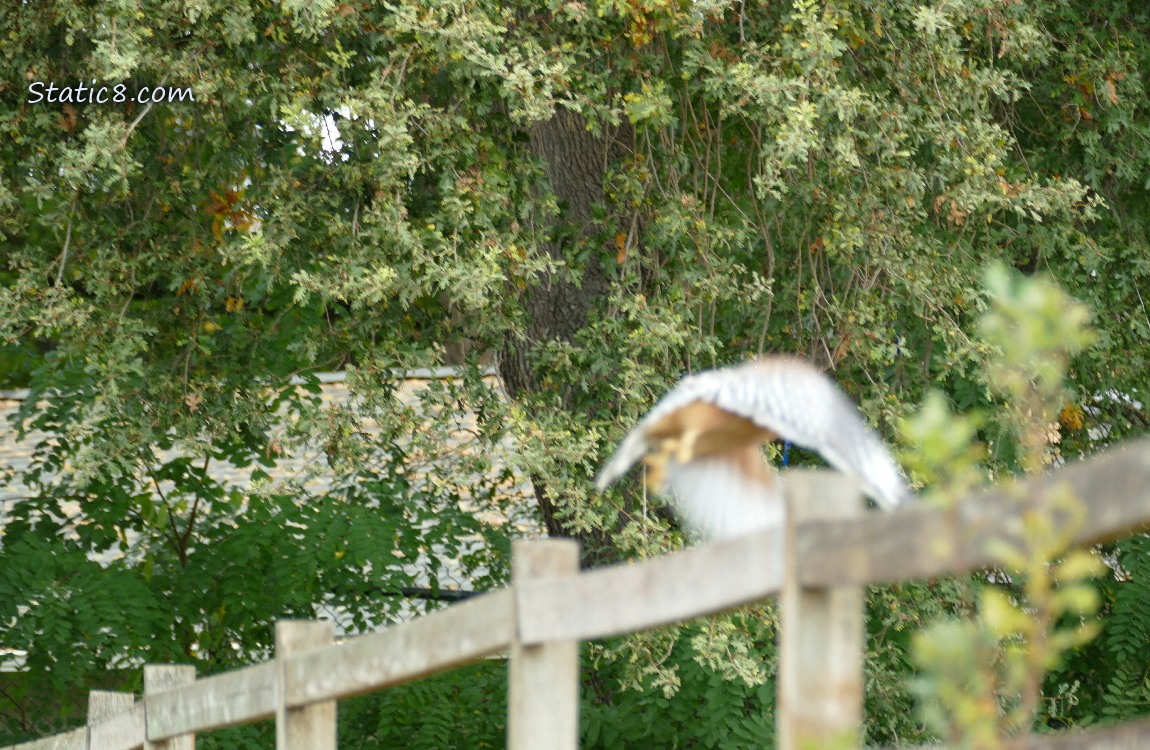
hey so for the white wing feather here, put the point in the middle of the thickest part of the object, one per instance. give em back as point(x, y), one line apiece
point(795, 401)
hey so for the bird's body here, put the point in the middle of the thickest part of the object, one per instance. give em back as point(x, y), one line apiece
point(704, 438)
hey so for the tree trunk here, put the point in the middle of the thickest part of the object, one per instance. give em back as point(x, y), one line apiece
point(576, 163)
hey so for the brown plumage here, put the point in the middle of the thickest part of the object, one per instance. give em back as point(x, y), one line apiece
point(704, 439)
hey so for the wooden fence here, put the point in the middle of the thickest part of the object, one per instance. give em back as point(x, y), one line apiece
point(819, 565)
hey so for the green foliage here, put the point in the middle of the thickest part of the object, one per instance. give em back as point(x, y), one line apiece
point(686, 699)
point(1109, 675)
point(828, 178)
point(946, 457)
point(1034, 330)
point(464, 708)
point(247, 737)
point(983, 677)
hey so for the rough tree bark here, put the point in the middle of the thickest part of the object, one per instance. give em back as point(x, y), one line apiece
point(576, 163)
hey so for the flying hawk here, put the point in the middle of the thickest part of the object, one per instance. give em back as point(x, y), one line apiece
point(704, 437)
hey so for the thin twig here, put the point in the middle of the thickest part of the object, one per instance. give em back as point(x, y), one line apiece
point(64, 254)
point(135, 122)
point(169, 532)
point(195, 509)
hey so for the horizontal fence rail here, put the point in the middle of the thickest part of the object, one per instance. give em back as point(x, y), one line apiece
point(818, 563)
point(691, 583)
point(921, 541)
point(451, 637)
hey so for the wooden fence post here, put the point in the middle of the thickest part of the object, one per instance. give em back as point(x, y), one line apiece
point(821, 630)
point(309, 727)
point(157, 679)
point(104, 705)
point(543, 687)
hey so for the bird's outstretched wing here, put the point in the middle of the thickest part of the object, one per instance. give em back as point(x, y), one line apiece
point(790, 399)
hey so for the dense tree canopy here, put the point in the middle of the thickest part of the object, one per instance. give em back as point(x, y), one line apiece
point(600, 196)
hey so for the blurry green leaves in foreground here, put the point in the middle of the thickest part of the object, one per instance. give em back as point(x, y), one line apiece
point(982, 677)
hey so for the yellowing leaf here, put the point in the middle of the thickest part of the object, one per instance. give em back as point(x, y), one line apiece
point(1110, 91)
point(1000, 614)
point(621, 247)
point(1079, 565)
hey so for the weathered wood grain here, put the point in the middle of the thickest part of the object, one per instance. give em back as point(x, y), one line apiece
point(1129, 736)
point(309, 727)
point(627, 598)
point(543, 679)
point(121, 731)
point(448, 638)
point(822, 631)
point(76, 739)
point(241, 697)
point(161, 677)
point(1133, 735)
point(114, 722)
point(920, 542)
